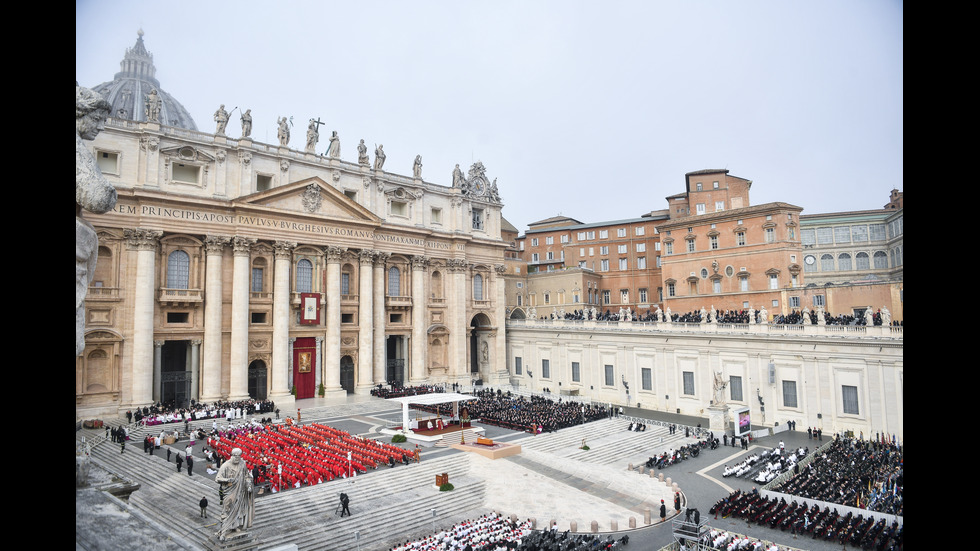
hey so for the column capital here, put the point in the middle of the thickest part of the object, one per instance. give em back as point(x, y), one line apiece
point(420, 262)
point(142, 239)
point(334, 253)
point(215, 244)
point(283, 249)
point(501, 269)
point(366, 257)
point(242, 245)
point(158, 344)
point(456, 265)
point(381, 257)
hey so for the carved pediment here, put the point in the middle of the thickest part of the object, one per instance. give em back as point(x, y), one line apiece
point(312, 196)
point(187, 153)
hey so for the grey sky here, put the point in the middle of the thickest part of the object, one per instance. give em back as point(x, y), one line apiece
point(594, 110)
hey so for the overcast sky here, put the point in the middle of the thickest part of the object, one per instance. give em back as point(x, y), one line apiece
point(593, 110)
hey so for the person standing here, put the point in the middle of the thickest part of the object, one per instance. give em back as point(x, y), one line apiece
point(190, 465)
point(677, 502)
point(345, 501)
point(180, 462)
point(204, 507)
point(663, 511)
point(168, 454)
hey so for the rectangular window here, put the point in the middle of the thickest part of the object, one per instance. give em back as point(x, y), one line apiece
point(641, 247)
point(774, 281)
point(623, 249)
point(842, 234)
point(643, 295)
point(345, 284)
point(646, 378)
point(716, 286)
point(825, 236)
point(656, 246)
point(621, 232)
point(186, 173)
point(623, 264)
point(517, 365)
point(108, 162)
point(581, 236)
point(690, 245)
point(669, 248)
point(581, 251)
point(770, 235)
point(735, 386)
point(877, 232)
point(789, 394)
point(640, 230)
point(603, 234)
point(700, 208)
point(740, 239)
point(604, 250)
point(850, 396)
point(565, 238)
point(534, 241)
point(605, 297)
point(436, 216)
point(591, 251)
point(401, 209)
point(477, 219)
point(859, 234)
point(590, 235)
point(794, 302)
point(604, 265)
point(609, 375)
point(550, 240)
point(671, 290)
point(256, 280)
point(545, 369)
point(719, 206)
point(576, 372)
point(808, 237)
point(689, 383)
point(624, 296)
point(551, 255)
point(743, 284)
point(641, 263)
point(534, 257)
point(714, 242)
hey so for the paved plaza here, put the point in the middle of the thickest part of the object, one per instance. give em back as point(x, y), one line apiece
point(551, 480)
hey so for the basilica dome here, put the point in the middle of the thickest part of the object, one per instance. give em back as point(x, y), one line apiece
point(136, 80)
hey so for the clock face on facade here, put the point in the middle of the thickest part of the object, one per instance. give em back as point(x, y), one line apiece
point(478, 184)
point(809, 260)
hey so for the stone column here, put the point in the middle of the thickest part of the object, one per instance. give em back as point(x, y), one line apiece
point(281, 349)
point(331, 361)
point(419, 300)
point(456, 310)
point(157, 367)
point(238, 368)
point(145, 243)
point(380, 354)
point(365, 323)
point(214, 246)
point(195, 368)
point(498, 364)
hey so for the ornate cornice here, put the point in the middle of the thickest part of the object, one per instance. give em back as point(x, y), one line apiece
point(456, 265)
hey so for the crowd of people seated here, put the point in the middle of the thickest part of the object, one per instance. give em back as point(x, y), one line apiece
point(161, 413)
point(765, 466)
point(308, 454)
point(868, 474)
point(686, 451)
point(495, 533)
point(536, 414)
point(729, 541)
point(489, 532)
point(802, 520)
point(397, 391)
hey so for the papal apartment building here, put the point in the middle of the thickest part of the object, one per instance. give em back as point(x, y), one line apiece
point(231, 268)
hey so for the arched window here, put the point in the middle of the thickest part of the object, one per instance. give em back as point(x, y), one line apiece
point(304, 276)
point(844, 262)
point(881, 260)
point(394, 282)
point(863, 261)
point(827, 263)
point(178, 270)
point(478, 287)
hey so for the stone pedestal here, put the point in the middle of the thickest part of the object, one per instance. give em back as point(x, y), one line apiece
point(718, 418)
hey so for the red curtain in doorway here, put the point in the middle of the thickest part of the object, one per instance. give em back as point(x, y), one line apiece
point(304, 367)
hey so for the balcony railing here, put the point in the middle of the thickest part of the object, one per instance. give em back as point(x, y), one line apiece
point(181, 295)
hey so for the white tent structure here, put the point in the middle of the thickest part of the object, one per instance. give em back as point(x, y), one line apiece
point(431, 400)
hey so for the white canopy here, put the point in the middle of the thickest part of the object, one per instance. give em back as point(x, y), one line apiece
point(430, 399)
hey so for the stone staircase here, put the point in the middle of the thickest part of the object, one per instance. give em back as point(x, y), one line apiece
point(384, 502)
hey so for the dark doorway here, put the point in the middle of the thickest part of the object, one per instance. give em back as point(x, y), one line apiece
point(347, 374)
point(175, 380)
point(257, 380)
point(394, 361)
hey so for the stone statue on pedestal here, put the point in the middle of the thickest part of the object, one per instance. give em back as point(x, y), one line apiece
point(237, 486)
